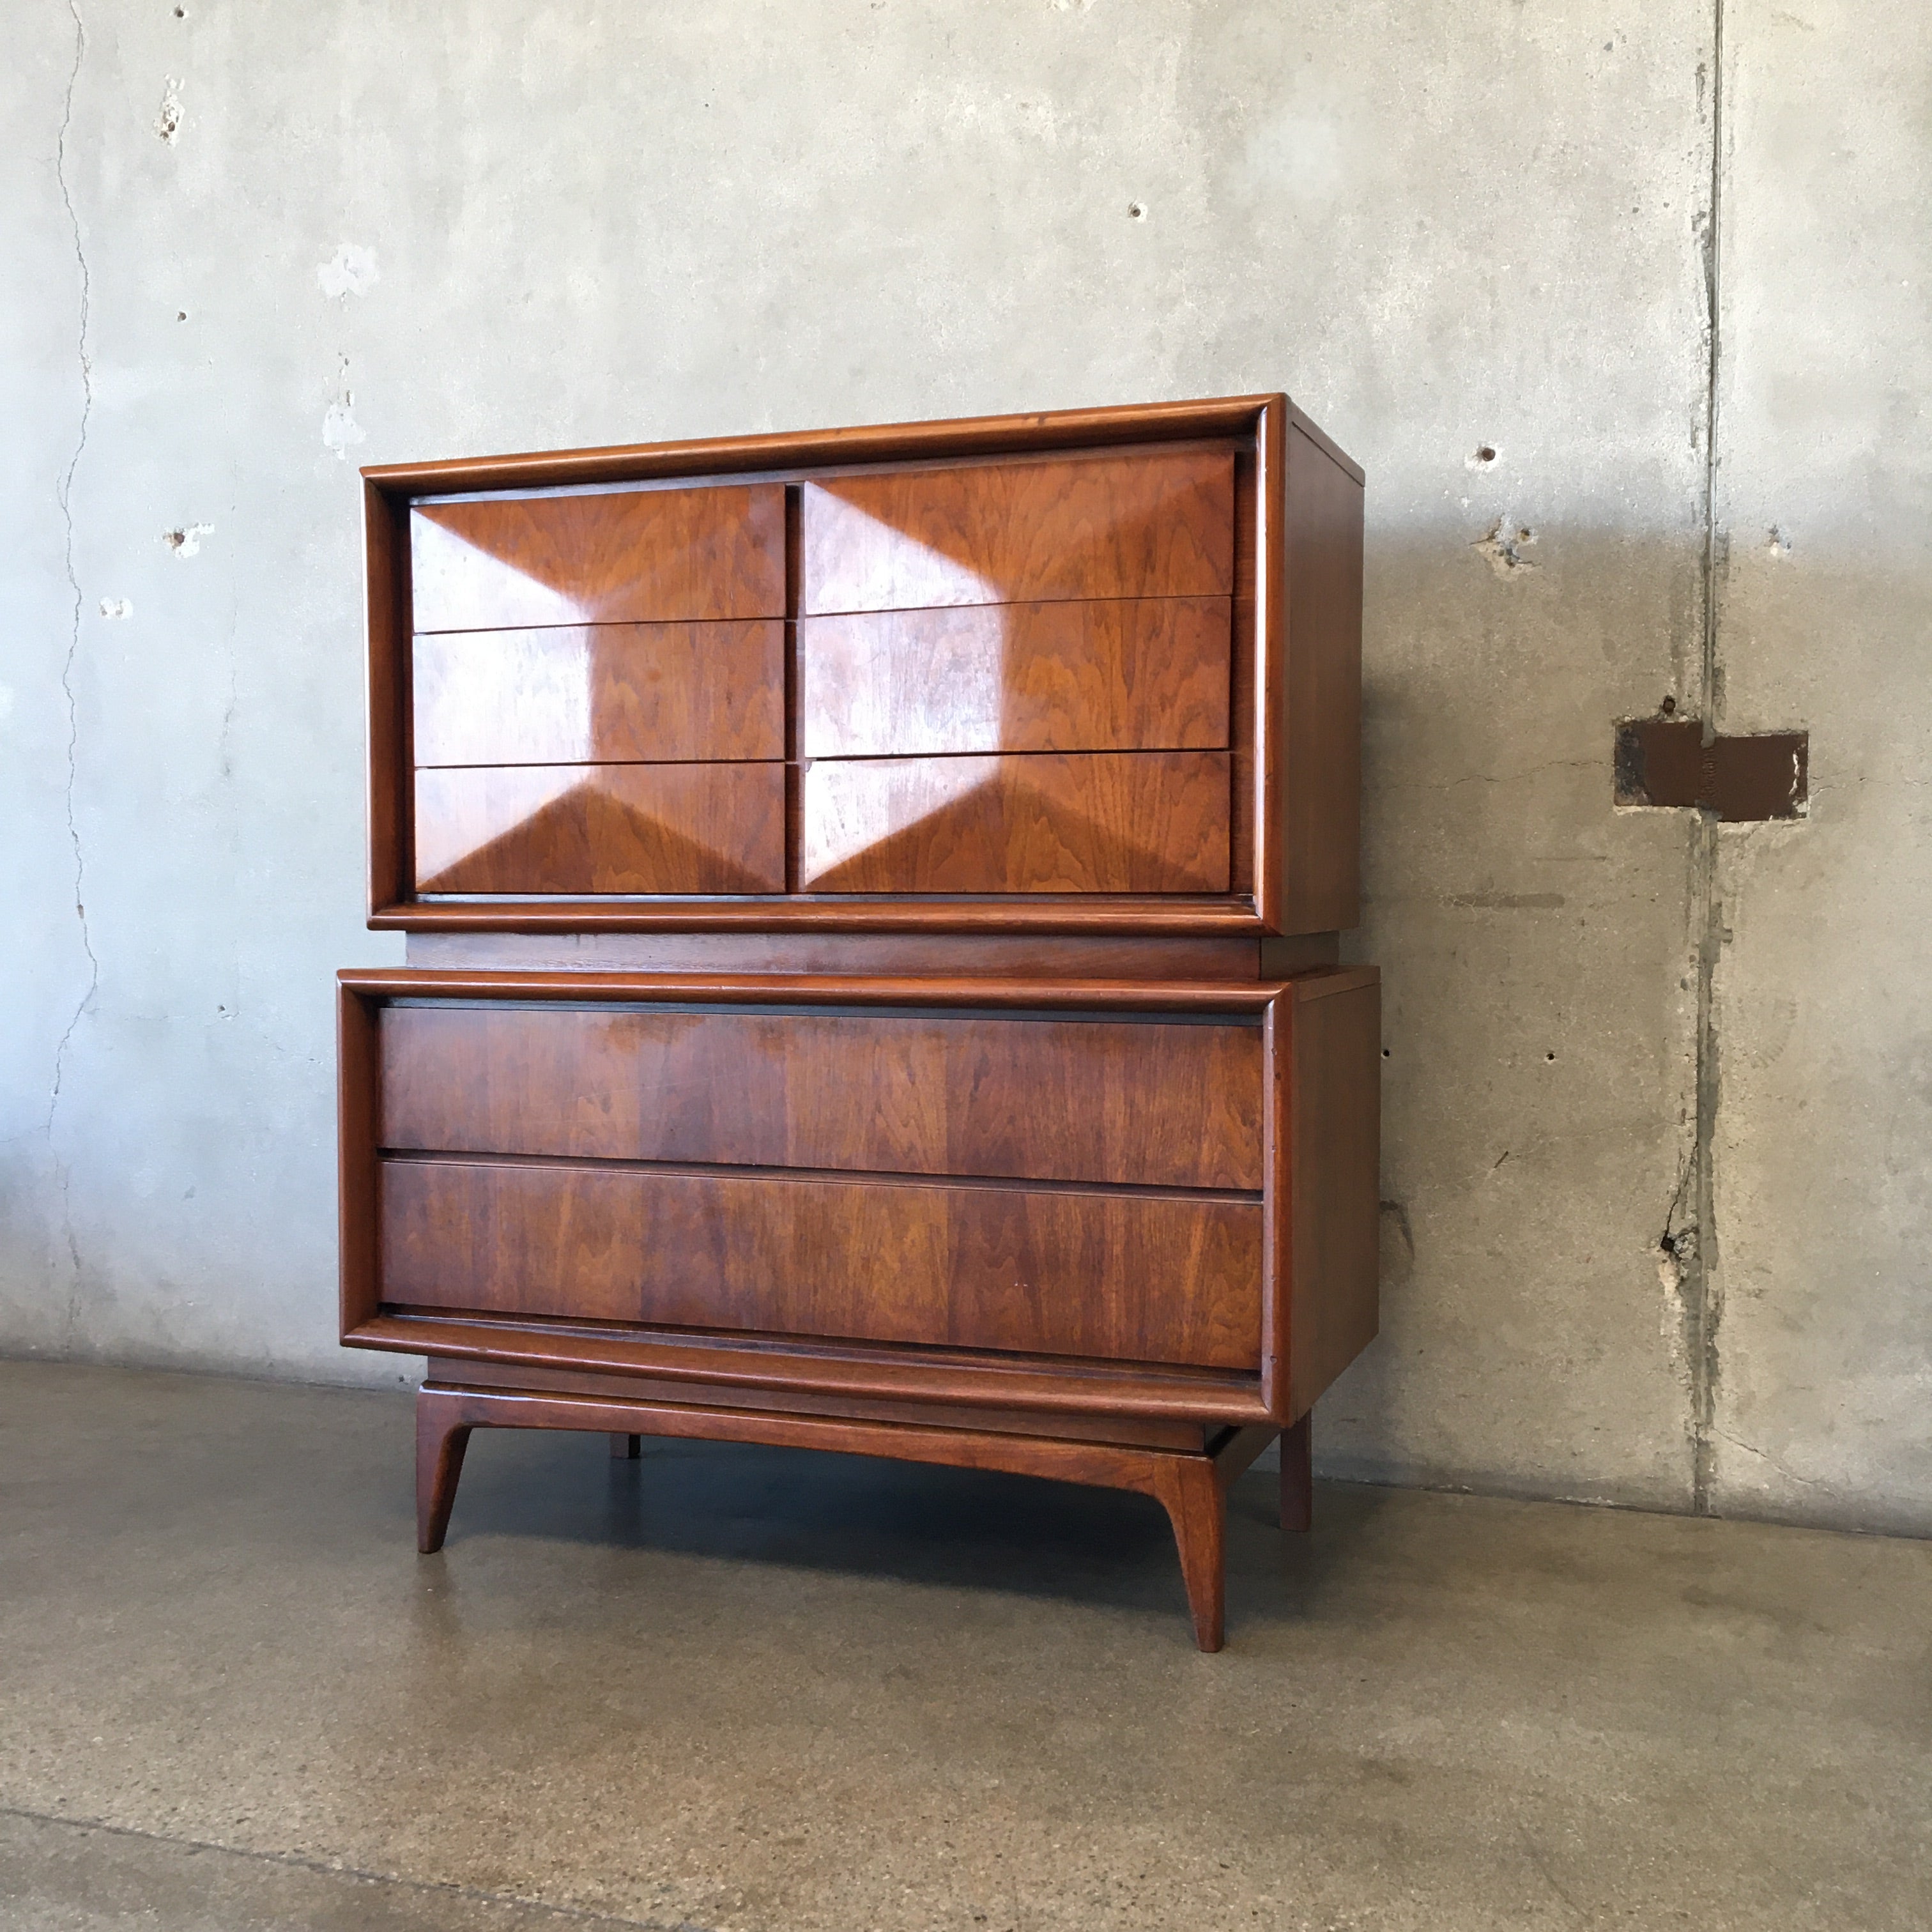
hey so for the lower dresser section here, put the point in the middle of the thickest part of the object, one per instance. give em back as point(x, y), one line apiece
point(1119, 1232)
point(1152, 1198)
point(1112, 1275)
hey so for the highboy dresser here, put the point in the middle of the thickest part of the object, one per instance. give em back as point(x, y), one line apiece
point(872, 984)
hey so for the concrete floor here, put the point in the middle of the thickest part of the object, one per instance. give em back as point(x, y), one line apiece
point(739, 1687)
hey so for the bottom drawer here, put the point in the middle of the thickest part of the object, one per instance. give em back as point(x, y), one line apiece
point(1139, 1276)
point(591, 830)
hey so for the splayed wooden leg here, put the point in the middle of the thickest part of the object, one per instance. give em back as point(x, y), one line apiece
point(1190, 1489)
point(441, 1440)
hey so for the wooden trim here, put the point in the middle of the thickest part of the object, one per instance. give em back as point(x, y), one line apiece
point(891, 1373)
point(1164, 916)
point(888, 955)
point(1271, 656)
point(386, 591)
point(1277, 1278)
point(879, 442)
point(358, 1131)
point(1187, 996)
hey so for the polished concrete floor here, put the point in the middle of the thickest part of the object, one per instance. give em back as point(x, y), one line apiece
point(745, 1687)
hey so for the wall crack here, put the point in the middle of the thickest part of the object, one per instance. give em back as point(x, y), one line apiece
point(63, 493)
point(1696, 1246)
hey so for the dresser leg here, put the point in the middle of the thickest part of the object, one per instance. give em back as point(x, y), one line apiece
point(1297, 1480)
point(440, 1442)
point(1190, 1487)
point(625, 1448)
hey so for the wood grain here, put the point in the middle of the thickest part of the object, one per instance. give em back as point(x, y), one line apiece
point(1157, 524)
point(1137, 1103)
point(591, 828)
point(640, 556)
point(1121, 674)
point(1095, 822)
point(1334, 1216)
point(600, 694)
point(1316, 744)
point(1135, 1277)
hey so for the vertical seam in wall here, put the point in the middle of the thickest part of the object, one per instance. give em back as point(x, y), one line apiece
point(1706, 1306)
point(64, 494)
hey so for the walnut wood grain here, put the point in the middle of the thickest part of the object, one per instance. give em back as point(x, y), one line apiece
point(591, 829)
point(1121, 674)
point(1089, 822)
point(1133, 1277)
point(1135, 1103)
point(643, 556)
point(1157, 524)
point(600, 693)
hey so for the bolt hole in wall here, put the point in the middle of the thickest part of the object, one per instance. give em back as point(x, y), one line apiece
point(1137, 210)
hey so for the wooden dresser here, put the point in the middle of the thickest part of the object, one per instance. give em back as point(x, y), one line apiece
point(872, 901)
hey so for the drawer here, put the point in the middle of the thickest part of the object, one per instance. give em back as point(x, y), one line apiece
point(1102, 822)
point(1141, 674)
point(591, 693)
point(1139, 1102)
point(587, 829)
point(1131, 1277)
point(633, 556)
point(1157, 524)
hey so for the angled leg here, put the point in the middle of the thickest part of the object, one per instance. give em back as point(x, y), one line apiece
point(440, 1442)
point(1190, 1489)
point(1297, 1481)
point(625, 1448)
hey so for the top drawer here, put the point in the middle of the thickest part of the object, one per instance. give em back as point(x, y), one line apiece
point(628, 556)
point(1159, 524)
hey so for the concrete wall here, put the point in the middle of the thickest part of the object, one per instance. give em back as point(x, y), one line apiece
point(256, 246)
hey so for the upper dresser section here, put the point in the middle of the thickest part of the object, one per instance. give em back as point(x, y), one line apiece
point(1098, 671)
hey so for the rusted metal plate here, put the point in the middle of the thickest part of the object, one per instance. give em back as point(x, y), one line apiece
point(1665, 761)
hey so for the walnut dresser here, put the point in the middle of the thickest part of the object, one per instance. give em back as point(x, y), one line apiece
point(872, 901)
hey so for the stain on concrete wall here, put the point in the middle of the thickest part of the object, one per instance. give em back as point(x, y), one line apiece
point(1519, 261)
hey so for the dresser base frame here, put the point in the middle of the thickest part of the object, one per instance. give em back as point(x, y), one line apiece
point(1192, 1488)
